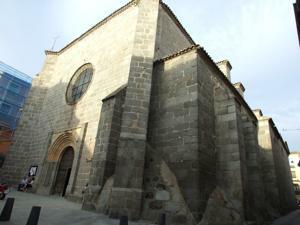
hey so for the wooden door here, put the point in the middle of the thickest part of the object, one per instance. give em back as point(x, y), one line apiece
point(64, 171)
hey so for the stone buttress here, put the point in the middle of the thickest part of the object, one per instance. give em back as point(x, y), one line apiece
point(127, 189)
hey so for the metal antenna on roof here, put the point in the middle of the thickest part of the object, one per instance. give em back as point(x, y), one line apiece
point(54, 42)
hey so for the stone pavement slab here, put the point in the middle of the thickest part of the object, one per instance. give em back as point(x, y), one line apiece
point(292, 218)
point(55, 211)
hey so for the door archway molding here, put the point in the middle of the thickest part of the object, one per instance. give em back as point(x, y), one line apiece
point(74, 138)
point(59, 145)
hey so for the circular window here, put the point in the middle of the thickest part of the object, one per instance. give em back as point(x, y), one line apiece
point(79, 83)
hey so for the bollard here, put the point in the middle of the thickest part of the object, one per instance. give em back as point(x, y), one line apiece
point(6, 212)
point(123, 220)
point(34, 216)
point(162, 219)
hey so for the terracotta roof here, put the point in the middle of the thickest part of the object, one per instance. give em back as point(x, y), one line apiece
point(240, 99)
point(177, 22)
point(174, 55)
point(102, 22)
point(201, 51)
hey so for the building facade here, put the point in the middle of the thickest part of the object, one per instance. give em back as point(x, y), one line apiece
point(295, 170)
point(275, 164)
point(138, 116)
point(14, 88)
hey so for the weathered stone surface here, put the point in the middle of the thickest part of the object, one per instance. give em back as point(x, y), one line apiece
point(162, 195)
point(156, 205)
point(231, 166)
point(132, 142)
point(255, 210)
point(275, 167)
point(166, 190)
point(46, 111)
point(169, 37)
point(105, 154)
point(221, 210)
point(103, 202)
point(159, 128)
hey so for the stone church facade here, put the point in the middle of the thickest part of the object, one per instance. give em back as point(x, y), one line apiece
point(133, 118)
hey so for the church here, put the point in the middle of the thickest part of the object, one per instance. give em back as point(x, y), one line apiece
point(134, 118)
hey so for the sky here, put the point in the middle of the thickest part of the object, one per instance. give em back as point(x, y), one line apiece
point(258, 37)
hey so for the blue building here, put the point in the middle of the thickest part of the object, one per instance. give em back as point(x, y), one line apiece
point(14, 88)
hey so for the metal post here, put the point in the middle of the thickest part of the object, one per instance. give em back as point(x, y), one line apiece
point(6, 212)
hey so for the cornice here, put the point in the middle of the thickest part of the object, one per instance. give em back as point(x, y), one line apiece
point(221, 75)
point(181, 52)
point(48, 52)
point(201, 52)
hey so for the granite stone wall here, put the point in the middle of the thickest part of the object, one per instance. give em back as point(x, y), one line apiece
point(173, 123)
point(128, 179)
point(169, 38)
point(105, 154)
point(47, 112)
point(279, 193)
point(255, 208)
point(229, 141)
point(283, 173)
point(231, 165)
point(16, 164)
point(181, 131)
point(268, 167)
point(162, 192)
point(206, 132)
point(179, 139)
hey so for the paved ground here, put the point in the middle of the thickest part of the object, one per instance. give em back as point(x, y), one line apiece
point(291, 219)
point(55, 211)
point(59, 211)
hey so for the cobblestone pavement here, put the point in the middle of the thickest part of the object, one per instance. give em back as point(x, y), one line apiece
point(291, 219)
point(55, 211)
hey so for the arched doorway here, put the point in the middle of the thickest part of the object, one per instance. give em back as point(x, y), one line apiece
point(64, 171)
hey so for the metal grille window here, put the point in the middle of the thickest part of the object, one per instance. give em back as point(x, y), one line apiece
point(79, 83)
